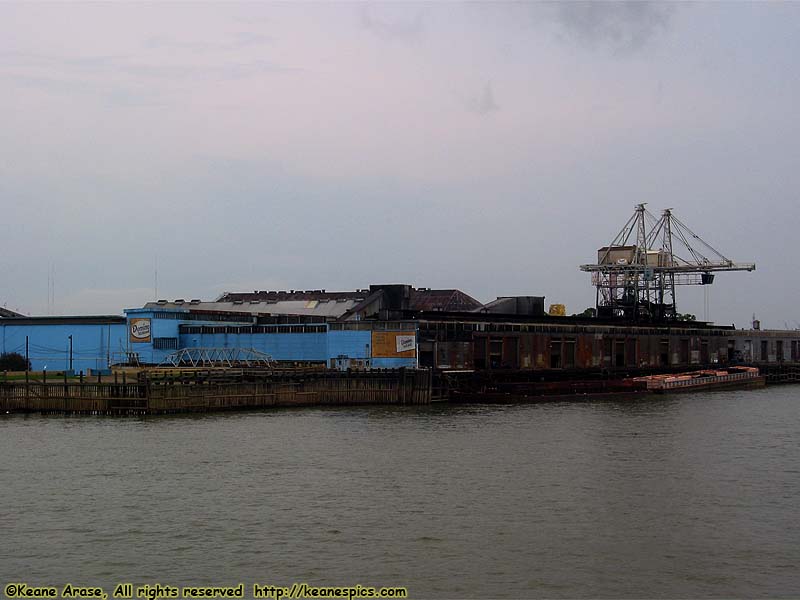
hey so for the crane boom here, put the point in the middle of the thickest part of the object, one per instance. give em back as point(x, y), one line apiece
point(636, 274)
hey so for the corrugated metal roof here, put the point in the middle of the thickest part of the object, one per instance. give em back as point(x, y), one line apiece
point(320, 303)
point(65, 320)
point(445, 300)
point(283, 295)
point(326, 308)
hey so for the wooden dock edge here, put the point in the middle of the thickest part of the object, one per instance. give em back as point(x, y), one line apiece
point(217, 391)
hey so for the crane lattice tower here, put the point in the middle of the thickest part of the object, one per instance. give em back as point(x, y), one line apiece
point(636, 274)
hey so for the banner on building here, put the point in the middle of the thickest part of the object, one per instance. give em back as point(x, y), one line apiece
point(394, 344)
point(140, 330)
point(404, 343)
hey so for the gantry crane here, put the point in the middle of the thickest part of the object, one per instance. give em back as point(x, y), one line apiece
point(636, 274)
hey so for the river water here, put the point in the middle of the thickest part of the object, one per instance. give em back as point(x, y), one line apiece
point(679, 496)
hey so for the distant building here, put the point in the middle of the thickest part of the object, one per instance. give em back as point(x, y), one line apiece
point(329, 305)
point(443, 300)
point(515, 305)
point(332, 306)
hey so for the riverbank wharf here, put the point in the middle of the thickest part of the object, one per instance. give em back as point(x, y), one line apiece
point(155, 391)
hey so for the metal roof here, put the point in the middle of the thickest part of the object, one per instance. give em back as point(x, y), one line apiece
point(446, 300)
point(319, 303)
point(283, 295)
point(65, 320)
point(321, 308)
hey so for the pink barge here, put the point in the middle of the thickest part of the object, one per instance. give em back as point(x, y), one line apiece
point(741, 377)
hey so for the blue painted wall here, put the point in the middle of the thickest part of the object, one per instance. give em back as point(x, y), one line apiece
point(93, 344)
point(280, 346)
point(325, 347)
point(350, 344)
point(343, 345)
point(49, 344)
point(165, 323)
point(159, 327)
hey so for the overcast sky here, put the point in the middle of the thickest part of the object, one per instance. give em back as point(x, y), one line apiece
point(488, 147)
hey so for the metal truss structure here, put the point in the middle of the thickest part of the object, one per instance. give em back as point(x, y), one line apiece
point(217, 357)
point(636, 274)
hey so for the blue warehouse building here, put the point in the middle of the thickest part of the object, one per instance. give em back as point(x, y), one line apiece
point(338, 329)
point(101, 342)
point(94, 341)
point(295, 338)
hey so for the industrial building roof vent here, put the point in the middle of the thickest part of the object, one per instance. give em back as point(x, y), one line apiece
point(194, 301)
point(255, 301)
point(180, 301)
point(161, 302)
point(238, 301)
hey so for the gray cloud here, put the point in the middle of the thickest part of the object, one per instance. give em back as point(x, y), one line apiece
point(238, 41)
point(621, 27)
point(93, 74)
point(219, 71)
point(484, 103)
point(404, 27)
point(243, 39)
point(85, 62)
point(107, 93)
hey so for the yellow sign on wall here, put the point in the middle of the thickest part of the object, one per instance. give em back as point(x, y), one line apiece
point(394, 344)
point(140, 330)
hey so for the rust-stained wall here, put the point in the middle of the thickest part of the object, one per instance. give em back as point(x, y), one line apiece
point(465, 345)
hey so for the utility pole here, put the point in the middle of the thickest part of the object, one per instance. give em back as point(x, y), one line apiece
point(27, 354)
point(70, 352)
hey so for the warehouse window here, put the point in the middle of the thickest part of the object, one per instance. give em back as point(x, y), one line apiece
point(479, 352)
point(663, 353)
point(165, 343)
point(495, 353)
point(608, 350)
point(510, 352)
point(631, 353)
point(555, 354)
point(569, 353)
point(619, 353)
point(683, 347)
